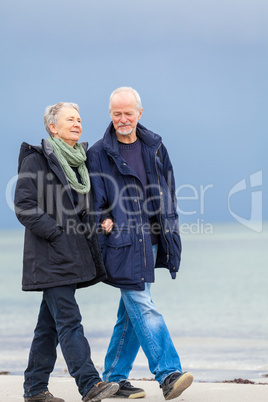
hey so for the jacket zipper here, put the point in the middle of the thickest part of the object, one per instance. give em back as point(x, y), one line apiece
point(161, 203)
point(141, 222)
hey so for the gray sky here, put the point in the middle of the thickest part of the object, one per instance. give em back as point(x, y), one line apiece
point(200, 67)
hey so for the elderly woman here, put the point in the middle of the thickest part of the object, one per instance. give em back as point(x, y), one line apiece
point(61, 252)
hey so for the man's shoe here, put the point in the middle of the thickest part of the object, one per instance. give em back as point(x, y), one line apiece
point(126, 390)
point(100, 391)
point(45, 396)
point(175, 384)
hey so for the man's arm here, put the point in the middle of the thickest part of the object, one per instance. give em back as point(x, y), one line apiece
point(169, 176)
point(103, 213)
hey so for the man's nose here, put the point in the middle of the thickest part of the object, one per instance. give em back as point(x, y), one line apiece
point(123, 118)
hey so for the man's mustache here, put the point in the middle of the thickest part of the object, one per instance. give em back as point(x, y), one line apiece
point(121, 124)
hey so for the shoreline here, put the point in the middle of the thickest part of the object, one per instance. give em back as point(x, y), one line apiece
point(142, 373)
point(11, 390)
point(238, 380)
point(208, 359)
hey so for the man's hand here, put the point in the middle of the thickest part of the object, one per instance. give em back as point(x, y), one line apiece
point(107, 225)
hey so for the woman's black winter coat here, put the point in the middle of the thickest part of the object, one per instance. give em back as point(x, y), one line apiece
point(60, 247)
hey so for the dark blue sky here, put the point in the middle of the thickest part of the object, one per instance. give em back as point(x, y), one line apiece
point(200, 67)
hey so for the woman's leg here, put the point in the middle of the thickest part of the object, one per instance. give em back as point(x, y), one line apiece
point(42, 355)
point(74, 345)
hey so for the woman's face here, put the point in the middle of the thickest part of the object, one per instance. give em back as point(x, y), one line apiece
point(68, 127)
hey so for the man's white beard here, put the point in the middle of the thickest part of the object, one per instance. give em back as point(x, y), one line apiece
point(125, 133)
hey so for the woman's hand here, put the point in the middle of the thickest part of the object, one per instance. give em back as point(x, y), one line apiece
point(107, 225)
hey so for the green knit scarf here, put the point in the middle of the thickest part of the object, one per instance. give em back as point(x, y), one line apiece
point(72, 157)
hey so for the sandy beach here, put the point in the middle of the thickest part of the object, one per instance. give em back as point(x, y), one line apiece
point(11, 390)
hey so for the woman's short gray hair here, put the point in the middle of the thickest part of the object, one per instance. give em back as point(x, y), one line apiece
point(52, 112)
point(126, 89)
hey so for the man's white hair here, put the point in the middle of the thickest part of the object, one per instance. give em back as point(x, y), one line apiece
point(127, 89)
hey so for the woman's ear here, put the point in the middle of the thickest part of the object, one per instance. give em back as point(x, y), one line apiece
point(52, 128)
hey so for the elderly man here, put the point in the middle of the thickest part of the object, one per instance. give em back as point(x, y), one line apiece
point(134, 190)
point(52, 201)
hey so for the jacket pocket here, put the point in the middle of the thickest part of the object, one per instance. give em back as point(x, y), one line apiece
point(59, 250)
point(118, 255)
point(172, 224)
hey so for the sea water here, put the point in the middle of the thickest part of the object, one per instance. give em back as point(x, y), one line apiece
point(216, 309)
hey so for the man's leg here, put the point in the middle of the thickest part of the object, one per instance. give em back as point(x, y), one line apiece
point(123, 348)
point(152, 333)
point(124, 345)
point(42, 355)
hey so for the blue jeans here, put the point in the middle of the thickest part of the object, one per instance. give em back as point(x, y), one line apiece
point(140, 324)
point(59, 320)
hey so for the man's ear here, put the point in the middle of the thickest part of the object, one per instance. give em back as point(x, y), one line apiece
point(140, 113)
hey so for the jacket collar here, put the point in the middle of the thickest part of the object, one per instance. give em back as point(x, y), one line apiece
point(55, 164)
point(25, 150)
point(45, 148)
point(48, 150)
point(147, 137)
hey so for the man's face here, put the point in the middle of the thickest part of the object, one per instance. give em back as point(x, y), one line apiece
point(68, 127)
point(124, 114)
